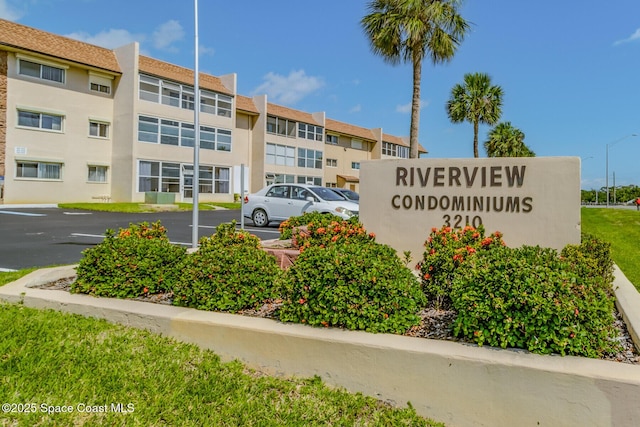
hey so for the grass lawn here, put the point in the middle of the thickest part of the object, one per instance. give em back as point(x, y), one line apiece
point(56, 359)
point(140, 207)
point(621, 228)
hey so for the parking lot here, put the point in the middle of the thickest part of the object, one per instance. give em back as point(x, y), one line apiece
point(39, 237)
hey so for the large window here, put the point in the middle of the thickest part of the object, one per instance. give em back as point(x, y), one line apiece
point(41, 71)
point(97, 174)
point(166, 177)
point(40, 120)
point(38, 170)
point(309, 158)
point(310, 131)
point(395, 150)
point(171, 132)
point(280, 155)
point(183, 96)
point(280, 126)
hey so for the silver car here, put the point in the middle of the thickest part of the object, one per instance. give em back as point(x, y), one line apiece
point(278, 202)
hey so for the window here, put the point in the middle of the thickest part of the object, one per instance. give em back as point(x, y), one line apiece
point(313, 180)
point(310, 132)
point(97, 174)
point(355, 165)
point(309, 158)
point(183, 96)
point(332, 163)
point(281, 126)
point(148, 176)
point(222, 180)
point(171, 132)
point(280, 155)
point(99, 129)
point(97, 87)
point(331, 185)
point(403, 152)
point(395, 150)
point(40, 120)
point(356, 143)
point(41, 71)
point(38, 170)
point(332, 139)
point(215, 103)
point(148, 129)
point(215, 139)
point(149, 88)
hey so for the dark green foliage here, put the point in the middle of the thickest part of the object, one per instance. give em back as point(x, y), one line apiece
point(446, 250)
point(530, 298)
point(138, 260)
point(592, 256)
point(354, 286)
point(316, 218)
point(229, 272)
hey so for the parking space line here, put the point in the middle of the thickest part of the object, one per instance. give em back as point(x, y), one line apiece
point(21, 213)
point(7, 270)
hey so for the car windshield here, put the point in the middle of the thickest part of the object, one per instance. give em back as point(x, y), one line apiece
point(351, 195)
point(326, 194)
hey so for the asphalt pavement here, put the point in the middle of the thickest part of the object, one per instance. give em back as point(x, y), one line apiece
point(46, 236)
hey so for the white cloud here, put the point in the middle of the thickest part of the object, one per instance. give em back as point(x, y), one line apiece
point(166, 34)
point(289, 89)
point(406, 108)
point(633, 37)
point(110, 39)
point(356, 109)
point(204, 50)
point(9, 12)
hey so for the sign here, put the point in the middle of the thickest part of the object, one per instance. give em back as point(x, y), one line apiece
point(531, 200)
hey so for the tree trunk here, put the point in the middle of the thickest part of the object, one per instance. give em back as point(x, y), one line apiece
point(475, 139)
point(415, 108)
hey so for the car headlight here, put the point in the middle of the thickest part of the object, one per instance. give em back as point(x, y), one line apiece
point(344, 211)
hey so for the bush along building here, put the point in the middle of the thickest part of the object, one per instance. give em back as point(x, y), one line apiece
point(81, 123)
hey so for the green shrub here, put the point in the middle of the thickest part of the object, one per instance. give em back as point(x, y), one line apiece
point(354, 286)
point(446, 250)
point(591, 257)
point(530, 298)
point(317, 229)
point(136, 261)
point(228, 272)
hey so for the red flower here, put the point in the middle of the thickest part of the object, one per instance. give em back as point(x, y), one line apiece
point(302, 300)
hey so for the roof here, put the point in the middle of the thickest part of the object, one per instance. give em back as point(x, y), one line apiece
point(180, 74)
point(288, 113)
point(246, 104)
point(351, 130)
point(22, 38)
point(349, 178)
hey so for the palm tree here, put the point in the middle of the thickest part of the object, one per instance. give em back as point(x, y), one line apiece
point(476, 101)
point(507, 141)
point(409, 31)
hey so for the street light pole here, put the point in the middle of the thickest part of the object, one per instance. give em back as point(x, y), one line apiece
point(607, 160)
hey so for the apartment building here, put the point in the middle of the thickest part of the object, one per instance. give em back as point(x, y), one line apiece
point(81, 123)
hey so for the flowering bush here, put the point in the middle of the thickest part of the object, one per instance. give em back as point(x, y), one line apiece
point(531, 298)
point(360, 286)
point(138, 260)
point(446, 249)
point(315, 229)
point(228, 272)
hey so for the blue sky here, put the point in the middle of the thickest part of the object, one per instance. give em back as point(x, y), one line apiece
point(570, 70)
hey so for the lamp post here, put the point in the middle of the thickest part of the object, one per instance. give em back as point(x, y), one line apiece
point(607, 160)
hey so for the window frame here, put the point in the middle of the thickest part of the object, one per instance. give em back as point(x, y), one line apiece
point(100, 125)
point(40, 170)
point(41, 115)
point(96, 168)
point(42, 67)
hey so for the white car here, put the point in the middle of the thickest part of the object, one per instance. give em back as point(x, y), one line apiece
point(278, 202)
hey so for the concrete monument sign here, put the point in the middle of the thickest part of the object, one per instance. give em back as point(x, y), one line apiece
point(531, 200)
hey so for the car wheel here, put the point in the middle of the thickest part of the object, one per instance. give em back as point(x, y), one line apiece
point(260, 218)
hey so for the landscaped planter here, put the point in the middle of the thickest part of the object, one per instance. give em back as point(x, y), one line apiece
point(459, 384)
